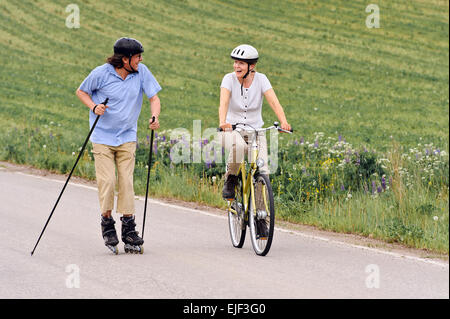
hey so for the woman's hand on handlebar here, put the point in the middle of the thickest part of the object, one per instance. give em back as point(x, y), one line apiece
point(226, 127)
point(285, 126)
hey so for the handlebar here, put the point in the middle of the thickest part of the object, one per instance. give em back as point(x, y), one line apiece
point(275, 126)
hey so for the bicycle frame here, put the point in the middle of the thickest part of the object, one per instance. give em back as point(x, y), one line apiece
point(247, 178)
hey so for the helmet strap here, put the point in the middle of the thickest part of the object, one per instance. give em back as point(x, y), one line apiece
point(129, 63)
point(245, 76)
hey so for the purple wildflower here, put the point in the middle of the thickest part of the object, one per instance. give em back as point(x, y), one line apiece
point(374, 187)
point(296, 142)
point(208, 164)
point(379, 189)
point(340, 138)
point(316, 144)
point(342, 188)
point(383, 182)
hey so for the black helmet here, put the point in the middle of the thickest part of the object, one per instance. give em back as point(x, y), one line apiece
point(128, 47)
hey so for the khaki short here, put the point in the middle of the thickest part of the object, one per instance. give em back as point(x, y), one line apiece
point(237, 144)
point(107, 159)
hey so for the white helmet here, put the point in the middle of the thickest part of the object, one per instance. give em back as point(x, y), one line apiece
point(245, 53)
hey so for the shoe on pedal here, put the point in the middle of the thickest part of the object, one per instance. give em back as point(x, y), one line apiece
point(228, 187)
point(262, 231)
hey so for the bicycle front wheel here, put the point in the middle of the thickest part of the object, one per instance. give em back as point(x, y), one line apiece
point(236, 217)
point(262, 215)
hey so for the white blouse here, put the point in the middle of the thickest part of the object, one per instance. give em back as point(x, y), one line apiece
point(246, 108)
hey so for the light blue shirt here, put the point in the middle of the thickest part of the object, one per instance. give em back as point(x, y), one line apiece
point(118, 124)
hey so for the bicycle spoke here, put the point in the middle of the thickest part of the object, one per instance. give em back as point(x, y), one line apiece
point(236, 218)
point(262, 215)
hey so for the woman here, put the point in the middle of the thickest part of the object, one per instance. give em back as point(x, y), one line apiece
point(241, 99)
point(123, 79)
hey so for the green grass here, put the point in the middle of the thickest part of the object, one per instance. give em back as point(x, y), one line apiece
point(330, 72)
point(421, 222)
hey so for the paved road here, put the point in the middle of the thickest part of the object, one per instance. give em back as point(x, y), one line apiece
point(188, 254)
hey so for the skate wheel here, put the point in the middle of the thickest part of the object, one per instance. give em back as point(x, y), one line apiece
point(134, 249)
point(114, 249)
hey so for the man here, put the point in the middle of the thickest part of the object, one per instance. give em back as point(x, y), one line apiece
point(123, 80)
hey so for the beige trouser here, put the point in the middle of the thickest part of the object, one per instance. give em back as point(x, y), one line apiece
point(239, 143)
point(107, 159)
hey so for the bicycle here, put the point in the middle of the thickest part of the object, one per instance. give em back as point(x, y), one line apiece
point(253, 205)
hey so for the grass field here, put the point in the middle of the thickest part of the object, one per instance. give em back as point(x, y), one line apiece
point(375, 88)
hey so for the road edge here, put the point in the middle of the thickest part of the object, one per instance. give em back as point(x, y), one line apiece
point(307, 231)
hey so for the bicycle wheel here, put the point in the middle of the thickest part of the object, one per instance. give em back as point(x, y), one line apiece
point(262, 215)
point(236, 217)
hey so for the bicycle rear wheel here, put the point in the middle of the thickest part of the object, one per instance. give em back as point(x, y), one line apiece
point(236, 217)
point(262, 215)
